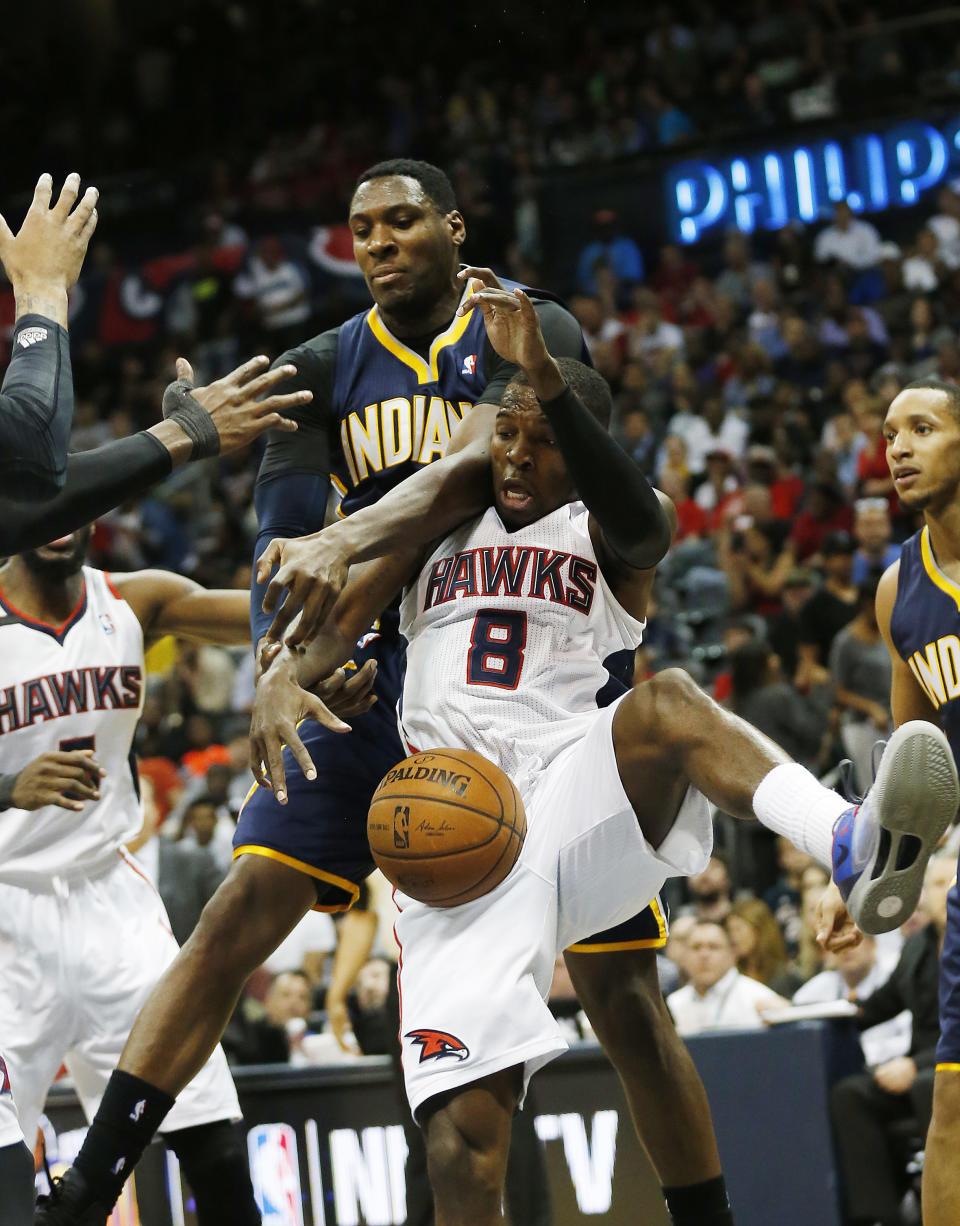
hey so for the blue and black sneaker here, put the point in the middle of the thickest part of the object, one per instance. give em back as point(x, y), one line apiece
point(881, 846)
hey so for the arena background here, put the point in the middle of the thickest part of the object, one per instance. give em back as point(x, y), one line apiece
point(668, 170)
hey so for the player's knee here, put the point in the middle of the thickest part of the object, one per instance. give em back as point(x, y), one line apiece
point(634, 1018)
point(669, 701)
point(464, 1156)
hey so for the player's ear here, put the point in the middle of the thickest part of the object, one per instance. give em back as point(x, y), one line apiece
point(458, 227)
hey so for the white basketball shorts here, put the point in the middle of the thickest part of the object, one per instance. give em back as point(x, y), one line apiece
point(474, 979)
point(75, 969)
point(10, 1132)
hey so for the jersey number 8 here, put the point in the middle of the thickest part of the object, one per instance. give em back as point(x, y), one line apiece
point(496, 648)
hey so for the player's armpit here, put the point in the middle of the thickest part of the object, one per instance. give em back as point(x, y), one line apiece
point(166, 603)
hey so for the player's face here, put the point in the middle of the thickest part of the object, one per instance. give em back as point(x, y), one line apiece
point(923, 449)
point(530, 478)
point(61, 558)
point(405, 248)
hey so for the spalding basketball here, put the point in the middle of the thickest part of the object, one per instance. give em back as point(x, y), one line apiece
point(446, 826)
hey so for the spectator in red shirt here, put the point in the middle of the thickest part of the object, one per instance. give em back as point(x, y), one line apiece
point(825, 512)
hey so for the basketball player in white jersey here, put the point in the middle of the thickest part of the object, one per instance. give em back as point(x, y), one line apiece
point(509, 623)
point(83, 933)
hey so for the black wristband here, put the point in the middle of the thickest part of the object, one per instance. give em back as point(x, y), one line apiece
point(7, 784)
point(193, 419)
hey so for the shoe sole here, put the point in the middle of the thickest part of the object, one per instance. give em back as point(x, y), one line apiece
point(916, 794)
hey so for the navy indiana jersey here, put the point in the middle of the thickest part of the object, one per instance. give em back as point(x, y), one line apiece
point(383, 408)
point(925, 628)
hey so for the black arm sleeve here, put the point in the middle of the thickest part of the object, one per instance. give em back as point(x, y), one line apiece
point(563, 339)
point(96, 481)
point(614, 490)
point(36, 410)
point(294, 478)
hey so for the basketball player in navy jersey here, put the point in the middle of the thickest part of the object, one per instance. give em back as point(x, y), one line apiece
point(391, 388)
point(918, 610)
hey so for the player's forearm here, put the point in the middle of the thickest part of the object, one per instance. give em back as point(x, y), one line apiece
point(217, 617)
point(427, 505)
point(36, 408)
point(612, 487)
point(47, 298)
point(96, 481)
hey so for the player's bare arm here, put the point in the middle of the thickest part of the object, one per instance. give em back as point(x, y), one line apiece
point(287, 688)
point(43, 259)
point(166, 603)
point(66, 779)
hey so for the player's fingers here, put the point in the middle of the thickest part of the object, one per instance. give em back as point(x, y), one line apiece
point(81, 214)
point(6, 234)
point(284, 400)
point(300, 754)
point(257, 386)
point(185, 371)
point(316, 609)
point(242, 374)
point(257, 760)
point(43, 191)
point(272, 556)
point(362, 680)
point(489, 298)
point(64, 802)
point(287, 610)
point(68, 195)
point(486, 275)
point(273, 753)
point(86, 234)
point(318, 710)
point(276, 422)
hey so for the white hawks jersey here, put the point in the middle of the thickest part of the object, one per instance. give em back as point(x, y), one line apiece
point(75, 686)
point(507, 637)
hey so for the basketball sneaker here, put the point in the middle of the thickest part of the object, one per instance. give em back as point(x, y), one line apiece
point(70, 1203)
point(881, 846)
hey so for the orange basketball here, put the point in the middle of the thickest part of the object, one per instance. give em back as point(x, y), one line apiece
point(446, 826)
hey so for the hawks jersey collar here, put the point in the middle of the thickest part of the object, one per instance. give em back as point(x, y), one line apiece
point(426, 371)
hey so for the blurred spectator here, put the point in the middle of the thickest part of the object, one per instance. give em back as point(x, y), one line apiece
point(373, 1024)
point(280, 292)
point(825, 515)
point(275, 1034)
point(305, 949)
point(784, 897)
point(872, 532)
point(610, 248)
point(759, 947)
point(718, 996)
point(710, 891)
point(848, 240)
point(855, 973)
point(946, 226)
point(185, 875)
point(860, 668)
point(761, 696)
point(922, 269)
point(828, 610)
point(203, 751)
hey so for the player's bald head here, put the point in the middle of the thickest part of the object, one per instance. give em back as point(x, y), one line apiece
point(434, 183)
point(583, 381)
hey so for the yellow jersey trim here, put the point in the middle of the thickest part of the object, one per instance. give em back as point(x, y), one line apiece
point(947, 1068)
point(426, 371)
point(934, 573)
point(348, 887)
point(338, 485)
point(610, 947)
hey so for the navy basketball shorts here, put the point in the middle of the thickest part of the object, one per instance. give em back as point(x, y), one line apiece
point(322, 829)
point(948, 1049)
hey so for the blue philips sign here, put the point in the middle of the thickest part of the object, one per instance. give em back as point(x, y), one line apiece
point(767, 189)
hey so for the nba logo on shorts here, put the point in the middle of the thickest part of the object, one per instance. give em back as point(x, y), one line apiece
point(275, 1173)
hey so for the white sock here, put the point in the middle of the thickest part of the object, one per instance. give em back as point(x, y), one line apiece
point(792, 802)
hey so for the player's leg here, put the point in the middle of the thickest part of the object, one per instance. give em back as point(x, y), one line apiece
point(180, 1025)
point(667, 730)
point(620, 993)
point(941, 1187)
point(16, 1185)
point(467, 1135)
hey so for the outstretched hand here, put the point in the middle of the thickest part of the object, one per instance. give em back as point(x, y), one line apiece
point(47, 251)
point(244, 403)
point(312, 570)
point(512, 325)
point(834, 926)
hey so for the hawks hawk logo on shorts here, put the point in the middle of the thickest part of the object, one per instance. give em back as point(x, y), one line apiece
point(4, 1078)
point(435, 1044)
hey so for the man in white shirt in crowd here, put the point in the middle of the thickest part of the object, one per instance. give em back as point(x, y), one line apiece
point(855, 974)
point(717, 997)
point(848, 240)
